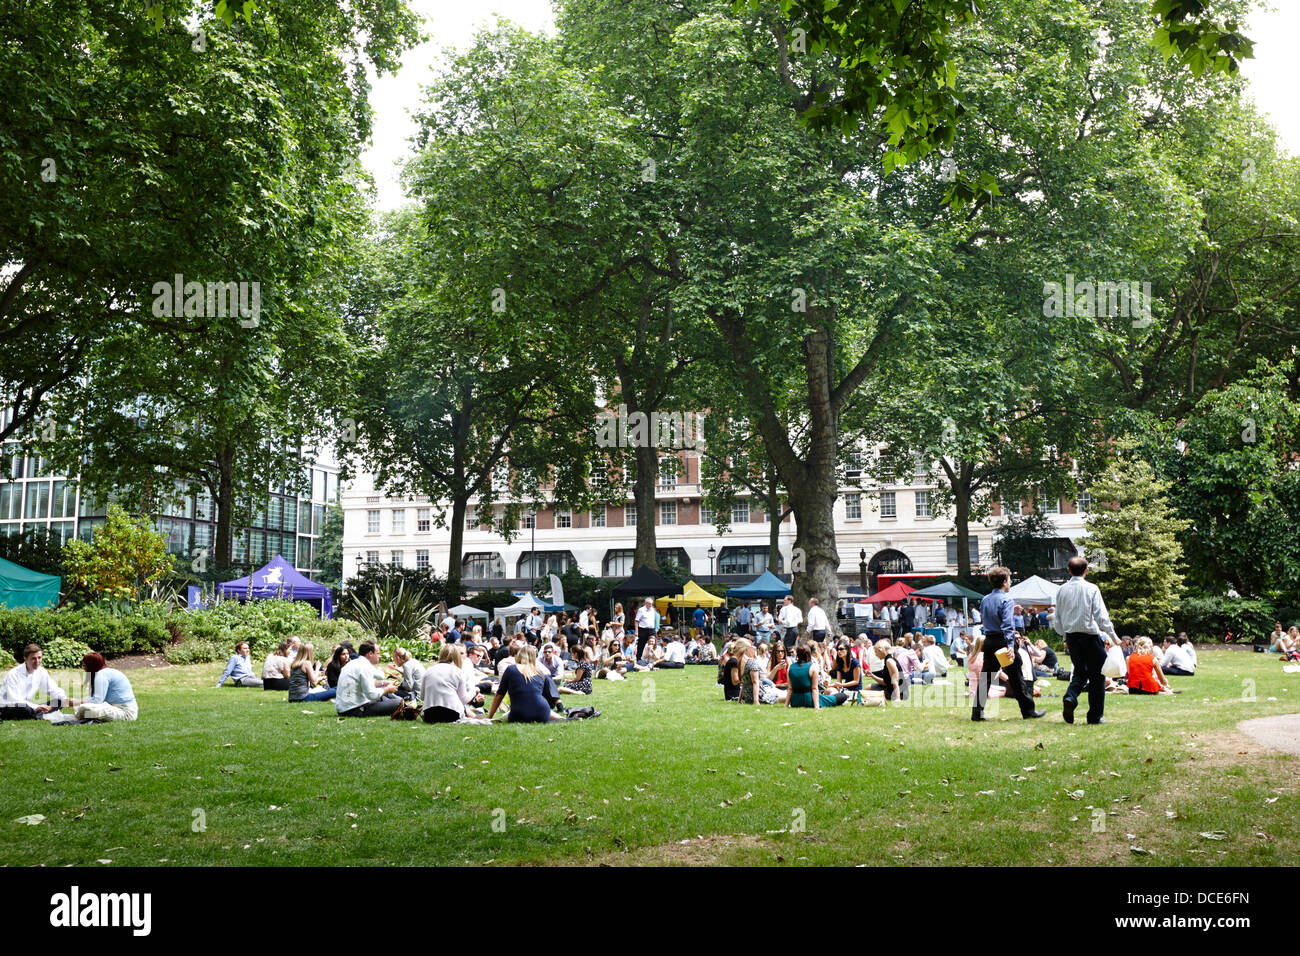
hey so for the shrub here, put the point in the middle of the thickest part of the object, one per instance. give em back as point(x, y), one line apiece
point(197, 652)
point(106, 633)
point(325, 634)
point(1209, 618)
point(393, 613)
point(61, 652)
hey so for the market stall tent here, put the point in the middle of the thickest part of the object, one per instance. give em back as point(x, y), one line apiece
point(279, 579)
point(23, 587)
point(692, 596)
point(766, 585)
point(1034, 590)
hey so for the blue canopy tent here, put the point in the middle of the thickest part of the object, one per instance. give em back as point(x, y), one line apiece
point(279, 579)
point(766, 585)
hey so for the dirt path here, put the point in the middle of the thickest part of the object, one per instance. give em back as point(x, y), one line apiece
point(1279, 733)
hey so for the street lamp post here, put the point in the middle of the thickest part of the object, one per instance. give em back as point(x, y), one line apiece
point(713, 553)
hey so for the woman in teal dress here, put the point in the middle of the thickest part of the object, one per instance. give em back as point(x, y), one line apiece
point(805, 683)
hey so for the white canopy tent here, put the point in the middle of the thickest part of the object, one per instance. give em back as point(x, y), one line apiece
point(522, 606)
point(1035, 590)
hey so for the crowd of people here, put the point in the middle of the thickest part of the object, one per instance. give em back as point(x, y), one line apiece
point(30, 693)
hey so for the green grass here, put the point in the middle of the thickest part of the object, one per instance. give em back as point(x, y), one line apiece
point(900, 784)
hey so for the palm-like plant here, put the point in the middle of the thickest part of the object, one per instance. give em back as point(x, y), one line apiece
point(392, 612)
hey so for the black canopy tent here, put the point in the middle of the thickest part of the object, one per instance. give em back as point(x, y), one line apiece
point(645, 583)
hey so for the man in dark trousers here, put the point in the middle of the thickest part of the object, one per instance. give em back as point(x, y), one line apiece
point(907, 616)
point(997, 613)
point(1081, 617)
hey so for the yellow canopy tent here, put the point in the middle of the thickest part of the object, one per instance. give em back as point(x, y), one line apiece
point(692, 596)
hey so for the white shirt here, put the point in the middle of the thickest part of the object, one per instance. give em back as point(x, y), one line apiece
point(20, 687)
point(817, 620)
point(356, 685)
point(582, 620)
point(551, 665)
point(890, 614)
point(1177, 656)
point(675, 652)
point(472, 676)
point(922, 615)
point(938, 662)
point(645, 616)
point(505, 662)
point(274, 666)
point(790, 616)
point(445, 686)
point(413, 674)
point(1079, 608)
point(449, 622)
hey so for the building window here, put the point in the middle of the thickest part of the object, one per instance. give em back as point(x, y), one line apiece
point(598, 517)
point(1049, 506)
point(422, 519)
point(706, 514)
point(888, 504)
point(541, 563)
point(471, 518)
point(667, 512)
point(853, 507)
point(617, 564)
point(973, 548)
point(486, 564)
point(396, 559)
point(530, 519)
point(399, 521)
point(740, 512)
point(923, 504)
point(1084, 502)
point(372, 522)
point(750, 561)
point(668, 472)
point(422, 560)
point(372, 557)
point(853, 463)
point(1010, 506)
point(629, 516)
point(564, 519)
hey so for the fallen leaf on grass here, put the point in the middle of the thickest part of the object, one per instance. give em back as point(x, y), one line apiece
point(1074, 794)
point(1215, 834)
point(32, 819)
point(1139, 851)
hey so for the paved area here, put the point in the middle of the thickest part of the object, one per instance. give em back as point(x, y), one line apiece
point(1279, 733)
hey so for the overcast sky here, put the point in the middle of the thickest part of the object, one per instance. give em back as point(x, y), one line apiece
point(1272, 73)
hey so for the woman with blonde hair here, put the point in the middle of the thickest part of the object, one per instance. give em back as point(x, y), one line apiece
point(275, 669)
point(755, 688)
point(617, 622)
point(887, 672)
point(1144, 673)
point(529, 691)
point(304, 675)
point(409, 672)
point(444, 690)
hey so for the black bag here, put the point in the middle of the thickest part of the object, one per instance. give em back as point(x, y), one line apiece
point(582, 713)
point(1062, 674)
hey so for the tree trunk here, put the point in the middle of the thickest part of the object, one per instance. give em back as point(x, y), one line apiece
point(773, 529)
point(816, 560)
point(643, 492)
point(961, 507)
point(459, 505)
point(225, 507)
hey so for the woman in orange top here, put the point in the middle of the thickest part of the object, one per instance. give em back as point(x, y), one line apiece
point(1144, 673)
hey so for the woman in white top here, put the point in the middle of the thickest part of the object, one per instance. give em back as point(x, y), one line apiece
point(446, 692)
point(275, 670)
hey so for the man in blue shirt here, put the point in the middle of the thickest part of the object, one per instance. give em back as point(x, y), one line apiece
point(742, 620)
point(997, 613)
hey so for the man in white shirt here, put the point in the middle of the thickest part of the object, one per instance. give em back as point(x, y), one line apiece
point(1081, 617)
point(1176, 660)
point(23, 683)
point(534, 626)
point(448, 622)
point(583, 619)
point(789, 619)
point(933, 655)
point(645, 625)
point(674, 654)
point(922, 615)
point(361, 691)
point(818, 622)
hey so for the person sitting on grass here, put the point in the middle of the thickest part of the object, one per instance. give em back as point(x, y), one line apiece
point(587, 663)
point(444, 691)
point(960, 648)
point(909, 663)
point(304, 675)
point(612, 665)
point(529, 690)
point(111, 696)
point(887, 673)
point(933, 657)
point(239, 669)
point(805, 682)
point(729, 674)
point(342, 653)
point(755, 688)
point(275, 669)
point(23, 683)
point(412, 673)
point(708, 654)
point(550, 662)
point(1176, 661)
point(361, 691)
point(1144, 673)
point(778, 663)
point(846, 672)
point(674, 656)
point(651, 655)
point(1289, 645)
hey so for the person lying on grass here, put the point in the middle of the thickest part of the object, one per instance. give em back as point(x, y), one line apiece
point(361, 691)
point(805, 682)
point(239, 669)
point(304, 675)
point(23, 683)
point(528, 688)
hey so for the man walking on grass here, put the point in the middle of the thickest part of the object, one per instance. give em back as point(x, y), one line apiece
point(1080, 617)
point(997, 612)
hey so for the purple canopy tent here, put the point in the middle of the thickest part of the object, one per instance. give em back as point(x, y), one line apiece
point(280, 579)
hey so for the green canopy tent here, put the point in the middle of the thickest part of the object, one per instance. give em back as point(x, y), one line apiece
point(20, 587)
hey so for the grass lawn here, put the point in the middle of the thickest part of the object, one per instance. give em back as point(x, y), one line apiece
point(668, 774)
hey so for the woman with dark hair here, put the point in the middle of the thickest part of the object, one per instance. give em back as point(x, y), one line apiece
point(586, 660)
point(805, 682)
point(343, 653)
point(111, 696)
point(275, 670)
point(846, 674)
point(777, 664)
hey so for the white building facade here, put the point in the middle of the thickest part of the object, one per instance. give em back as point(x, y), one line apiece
point(894, 525)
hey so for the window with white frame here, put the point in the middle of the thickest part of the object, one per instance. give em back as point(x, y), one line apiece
point(853, 507)
point(923, 504)
point(372, 522)
point(422, 519)
point(629, 516)
point(668, 467)
point(598, 516)
point(422, 560)
point(667, 512)
point(530, 519)
point(399, 521)
point(1049, 506)
point(396, 559)
point(973, 549)
point(564, 519)
point(706, 514)
point(853, 463)
point(1010, 506)
point(740, 512)
point(1084, 502)
point(888, 504)
point(372, 557)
